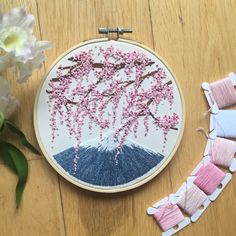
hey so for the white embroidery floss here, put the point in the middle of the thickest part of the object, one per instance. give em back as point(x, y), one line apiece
point(223, 124)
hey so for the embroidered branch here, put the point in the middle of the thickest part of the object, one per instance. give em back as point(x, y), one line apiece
point(122, 91)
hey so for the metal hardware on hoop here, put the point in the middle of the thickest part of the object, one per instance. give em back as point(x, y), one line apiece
point(118, 31)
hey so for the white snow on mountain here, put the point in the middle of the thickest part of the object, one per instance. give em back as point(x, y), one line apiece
point(109, 143)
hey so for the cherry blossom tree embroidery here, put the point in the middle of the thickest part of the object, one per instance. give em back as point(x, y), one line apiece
point(96, 80)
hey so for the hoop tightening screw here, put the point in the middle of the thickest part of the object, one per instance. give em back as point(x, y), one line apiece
point(117, 30)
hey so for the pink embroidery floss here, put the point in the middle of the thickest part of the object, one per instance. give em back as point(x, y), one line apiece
point(223, 92)
point(168, 215)
point(191, 199)
point(208, 178)
point(222, 151)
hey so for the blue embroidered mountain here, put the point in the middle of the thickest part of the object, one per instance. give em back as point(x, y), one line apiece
point(97, 164)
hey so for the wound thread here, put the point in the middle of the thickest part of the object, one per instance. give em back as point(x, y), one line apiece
point(191, 199)
point(168, 215)
point(225, 123)
point(222, 151)
point(223, 92)
point(208, 178)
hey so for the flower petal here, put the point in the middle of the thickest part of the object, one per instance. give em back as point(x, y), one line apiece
point(4, 88)
point(8, 103)
point(6, 61)
point(13, 104)
point(28, 22)
point(13, 17)
point(18, 17)
point(24, 52)
point(42, 45)
point(3, 104)
point(1, 16)
point(38, 61)
point(25, 71)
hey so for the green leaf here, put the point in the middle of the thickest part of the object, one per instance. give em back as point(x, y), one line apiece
point(17, 162)
point(2, 118)
point(21, 136)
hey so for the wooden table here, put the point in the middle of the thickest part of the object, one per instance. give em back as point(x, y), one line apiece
point(198, 40)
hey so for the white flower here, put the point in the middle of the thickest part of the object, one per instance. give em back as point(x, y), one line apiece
point(22, 50)
point(8, 103)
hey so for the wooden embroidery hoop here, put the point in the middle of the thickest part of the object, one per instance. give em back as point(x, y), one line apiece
point(167, 159)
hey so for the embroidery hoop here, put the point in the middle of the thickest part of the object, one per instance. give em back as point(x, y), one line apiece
point(140, 182)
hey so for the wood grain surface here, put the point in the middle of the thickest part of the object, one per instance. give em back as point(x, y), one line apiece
point(198, 40)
